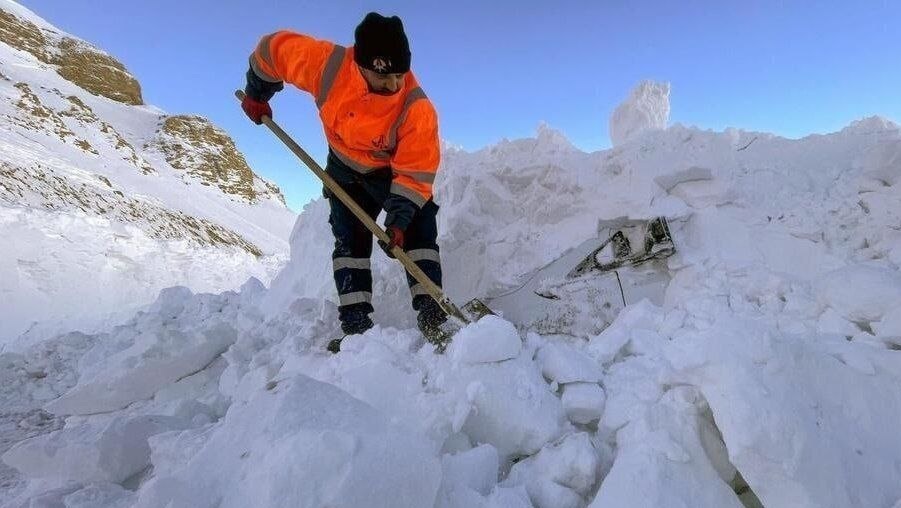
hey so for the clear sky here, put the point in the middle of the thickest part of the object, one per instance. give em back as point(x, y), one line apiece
point(496, 69)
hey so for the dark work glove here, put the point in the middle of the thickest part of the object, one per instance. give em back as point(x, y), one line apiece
point(396, 236)
point(256, 109)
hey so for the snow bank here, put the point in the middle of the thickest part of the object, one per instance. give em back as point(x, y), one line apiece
point(646, 108)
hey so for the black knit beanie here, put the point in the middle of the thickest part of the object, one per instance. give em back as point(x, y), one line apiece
point(381, 45)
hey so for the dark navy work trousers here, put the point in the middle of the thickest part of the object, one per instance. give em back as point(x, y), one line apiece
point(353, 242)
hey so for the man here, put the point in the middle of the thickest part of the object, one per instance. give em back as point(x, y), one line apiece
point(382, 133)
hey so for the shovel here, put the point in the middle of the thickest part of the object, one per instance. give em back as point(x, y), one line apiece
point(472, 311)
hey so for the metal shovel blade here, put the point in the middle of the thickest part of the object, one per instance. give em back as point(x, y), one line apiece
point(475, 310)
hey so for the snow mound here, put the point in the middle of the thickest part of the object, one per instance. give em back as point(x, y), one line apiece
point(646, 108)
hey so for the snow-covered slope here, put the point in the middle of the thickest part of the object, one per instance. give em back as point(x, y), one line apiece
point(103, 200)
point(767, 373)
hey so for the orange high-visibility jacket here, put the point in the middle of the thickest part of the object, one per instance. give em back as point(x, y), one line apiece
point(366, 131)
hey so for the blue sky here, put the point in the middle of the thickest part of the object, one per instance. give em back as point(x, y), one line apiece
point(497, 69)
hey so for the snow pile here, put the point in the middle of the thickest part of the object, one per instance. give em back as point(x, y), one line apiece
point(646, 108)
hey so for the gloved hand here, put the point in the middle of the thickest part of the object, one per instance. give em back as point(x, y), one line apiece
point(396, 236)
point(256, 109)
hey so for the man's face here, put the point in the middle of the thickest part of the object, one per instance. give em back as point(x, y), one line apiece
point(383, 84)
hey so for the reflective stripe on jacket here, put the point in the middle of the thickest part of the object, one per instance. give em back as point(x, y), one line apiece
point(366, 131)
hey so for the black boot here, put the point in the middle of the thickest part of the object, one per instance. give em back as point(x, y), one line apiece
point(352, 323)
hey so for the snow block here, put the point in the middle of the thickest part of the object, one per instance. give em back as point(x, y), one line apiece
point(605, 346)
point(476, 468)
point(468, 477)
point(861, 292)
point(560, 475)
point(490, 339)
point(90, 452)
point(563, 363)
point(304, 444)
point(583, 402)
point(512, 407)
point(664, 449)
point(159, 357)
point(692, 174)
point(646, 108)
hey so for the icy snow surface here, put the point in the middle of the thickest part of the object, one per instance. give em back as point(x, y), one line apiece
point(767, 372)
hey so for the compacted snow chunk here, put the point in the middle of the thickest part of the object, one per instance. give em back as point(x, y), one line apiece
point(563, 363)
point(583, 402)
point(561, 474)
point(468, 477)
point(179, 335)
point(91, 452)
point(490, 339)
point(646, 108)
point(661, 461)
point(511, 406)
point(861, 292)
point(302, 443)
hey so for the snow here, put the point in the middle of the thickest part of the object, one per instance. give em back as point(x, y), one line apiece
point(583, 402)
point(69, 265)
point(881, 292)
point(470, 474)
point(562, 363)
point(490, 339)
point(752, 365)
point(758, 366)
point(561, 475)
point(110, 452)
point(646, 108)
point(512, 407)
point(302, 443)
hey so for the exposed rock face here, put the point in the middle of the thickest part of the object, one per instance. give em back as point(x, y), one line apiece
point(76, 61)
point(194, 145)
point(97, 72)
point(42, 187)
